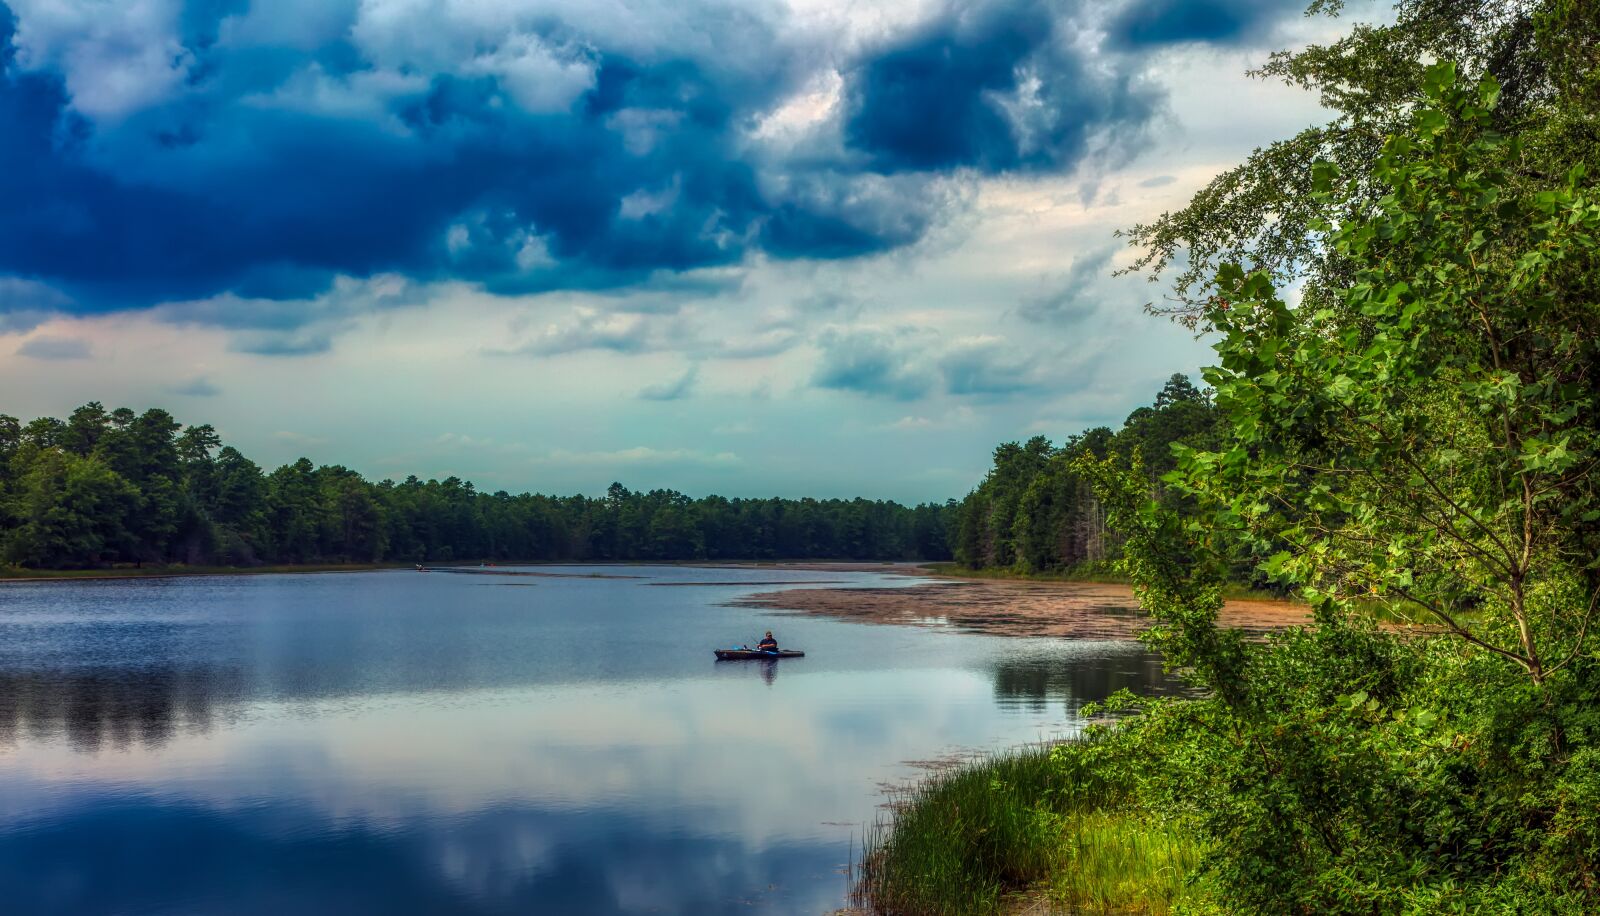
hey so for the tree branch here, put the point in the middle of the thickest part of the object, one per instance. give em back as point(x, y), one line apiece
point(1583, 629)
point(1462, 631)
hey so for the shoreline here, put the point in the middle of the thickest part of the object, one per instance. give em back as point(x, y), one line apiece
point(178, 571)
point(1021, 607)
point(1012, 607)
point(164, 572)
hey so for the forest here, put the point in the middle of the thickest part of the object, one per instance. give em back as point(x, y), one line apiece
point(102, 488)
point(1036, 512)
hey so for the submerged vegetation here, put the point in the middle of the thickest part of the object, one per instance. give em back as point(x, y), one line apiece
point(1418, 428)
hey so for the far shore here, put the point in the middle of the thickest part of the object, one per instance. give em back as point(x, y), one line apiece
point(178, 570)
point(1057, 608)
point(14, 574)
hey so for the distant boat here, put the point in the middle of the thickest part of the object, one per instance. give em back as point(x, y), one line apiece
point(737, 655)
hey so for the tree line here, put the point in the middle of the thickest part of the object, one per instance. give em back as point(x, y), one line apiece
point(1036, 512)
point(107, 487)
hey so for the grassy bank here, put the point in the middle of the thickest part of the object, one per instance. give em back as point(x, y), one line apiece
point(1012, 829)
point(178, 569)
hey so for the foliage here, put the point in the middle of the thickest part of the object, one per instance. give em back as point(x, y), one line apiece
point(1263, 212)
point(1430, 434)
point(1426, 433)
point(106, 487)
point(1035, 513)
point(968, 840)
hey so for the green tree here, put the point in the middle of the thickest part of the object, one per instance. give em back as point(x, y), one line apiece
point(295, 512)
point(68, 511)
point(353, 515)
point(200, 501)
point(1431, 434)
point(84, 429)
point(1423, 436)
point(1263, 212)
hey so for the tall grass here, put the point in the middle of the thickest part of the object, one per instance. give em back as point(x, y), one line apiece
point(971, 840)
point(1117, 862)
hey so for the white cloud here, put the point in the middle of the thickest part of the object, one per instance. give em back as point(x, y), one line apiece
point(643, 128)
point(592, 329)
point(366, 95)
point(540, 78)
point(642, 203)
point(799, 117)
point(117, 58)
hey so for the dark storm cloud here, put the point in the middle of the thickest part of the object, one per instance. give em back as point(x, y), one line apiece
point(1145, 23)
point(178, 152)
point(994, 88)
point(273, 169)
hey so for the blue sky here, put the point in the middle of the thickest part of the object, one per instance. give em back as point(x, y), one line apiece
point(805, 247)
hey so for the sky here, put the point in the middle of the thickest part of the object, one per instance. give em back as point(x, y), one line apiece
point(755, 248)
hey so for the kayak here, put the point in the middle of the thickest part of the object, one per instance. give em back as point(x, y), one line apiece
point(730, 655)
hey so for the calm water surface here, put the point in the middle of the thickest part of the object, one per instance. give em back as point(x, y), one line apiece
point(391, 742)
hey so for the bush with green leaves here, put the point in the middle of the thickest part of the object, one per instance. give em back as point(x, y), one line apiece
point(1424, 435)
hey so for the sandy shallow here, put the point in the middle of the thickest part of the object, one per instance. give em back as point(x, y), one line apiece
point(1071, 610)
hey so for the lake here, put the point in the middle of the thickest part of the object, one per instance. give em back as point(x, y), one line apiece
point(398, 742)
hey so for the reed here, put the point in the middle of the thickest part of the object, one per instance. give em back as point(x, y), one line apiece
point(1118, 862)
point(975, 839)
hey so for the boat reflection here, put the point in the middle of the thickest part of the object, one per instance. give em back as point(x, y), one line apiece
point(766, 667)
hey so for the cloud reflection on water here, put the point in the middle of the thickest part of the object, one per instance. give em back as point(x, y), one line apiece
point(383, 744)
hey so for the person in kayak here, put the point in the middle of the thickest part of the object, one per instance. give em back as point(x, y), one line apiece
point(767, 643)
